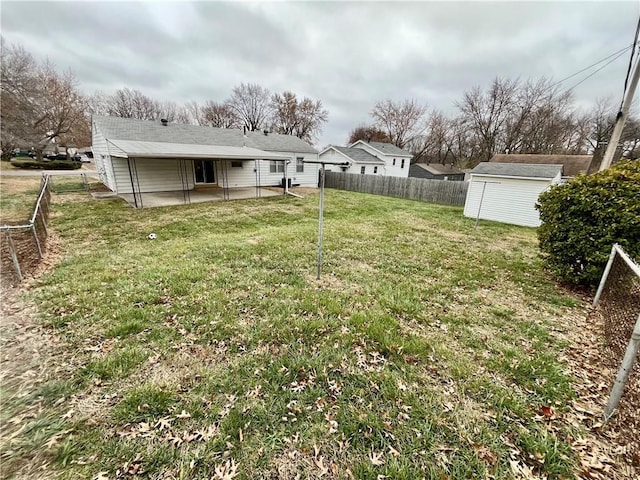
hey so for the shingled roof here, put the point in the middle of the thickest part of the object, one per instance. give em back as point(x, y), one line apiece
point(517, 170)
point(358, 155)
point(116, 128)
point(573, 164)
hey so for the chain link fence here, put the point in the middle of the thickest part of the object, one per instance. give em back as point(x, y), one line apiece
point(22, 246)
point(617, 310)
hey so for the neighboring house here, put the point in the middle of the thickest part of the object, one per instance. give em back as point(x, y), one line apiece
point(369, 158)
point(139, 156)
point(435, 171)
point(508, 192)
point(572, 164)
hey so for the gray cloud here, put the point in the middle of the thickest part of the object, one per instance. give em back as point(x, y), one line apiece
point(349, 55)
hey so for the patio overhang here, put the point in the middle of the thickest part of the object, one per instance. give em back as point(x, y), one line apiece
point(137, 149)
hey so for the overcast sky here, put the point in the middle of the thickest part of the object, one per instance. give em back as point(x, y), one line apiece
point(348, 55)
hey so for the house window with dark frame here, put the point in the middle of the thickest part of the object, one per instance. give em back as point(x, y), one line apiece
point(276, 167)
point(394, 162)
point(362, 170)
point(299, 164)
point(402, 164)
point(375, 169)
point(236, 164)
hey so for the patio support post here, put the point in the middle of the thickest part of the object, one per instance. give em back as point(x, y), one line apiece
point(133, 188)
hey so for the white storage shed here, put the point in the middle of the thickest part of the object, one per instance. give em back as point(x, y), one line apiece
point(508, 192)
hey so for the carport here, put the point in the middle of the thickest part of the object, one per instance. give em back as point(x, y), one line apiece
point(150, 166)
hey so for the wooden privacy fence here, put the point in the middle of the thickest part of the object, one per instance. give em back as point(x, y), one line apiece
point(23, 246)
point(434, 191)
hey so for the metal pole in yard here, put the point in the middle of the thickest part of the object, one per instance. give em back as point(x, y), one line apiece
point(320, 219)
point(14, 257)
point(484, 185)
point(35, 237)
point(625, 370)
point(603, 280)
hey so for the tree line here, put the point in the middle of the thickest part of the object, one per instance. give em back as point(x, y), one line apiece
point(41, 107)
point(511, 116)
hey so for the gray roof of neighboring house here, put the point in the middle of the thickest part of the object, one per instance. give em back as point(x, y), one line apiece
point(116, 128)
point(389, 149)
point(358, 155)
point(439, 169)
point(573, 164)
point(517, 170)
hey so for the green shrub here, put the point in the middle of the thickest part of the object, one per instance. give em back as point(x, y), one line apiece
point(48, 165)
point(582, 219)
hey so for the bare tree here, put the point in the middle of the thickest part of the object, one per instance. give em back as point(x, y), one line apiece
point(487, 114)
point(368, 133)
point(251, 104)
point(401, 121)
point(219, 115)
point(39, 105)
point(302, 119)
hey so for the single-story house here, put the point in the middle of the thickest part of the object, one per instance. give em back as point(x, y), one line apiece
point(508, 192)
point(133, 157)
point(572, 164)
point(369, 158)
point(435, 171)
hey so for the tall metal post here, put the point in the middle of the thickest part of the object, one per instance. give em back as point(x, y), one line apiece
point(484, 185)
point(320, 220)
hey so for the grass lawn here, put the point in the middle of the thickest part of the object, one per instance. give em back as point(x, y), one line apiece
point(426, 350)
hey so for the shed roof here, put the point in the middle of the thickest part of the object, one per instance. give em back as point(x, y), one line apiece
point(573, 164)
point(116, 128)
point(134, 148)
point(439, 169)
point(358, 155)
point(517, 170)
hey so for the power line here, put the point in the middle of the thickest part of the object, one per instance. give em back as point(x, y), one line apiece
point(618, 53)
point(593, 73)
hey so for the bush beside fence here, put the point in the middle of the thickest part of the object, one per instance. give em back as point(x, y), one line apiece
point(434, 191)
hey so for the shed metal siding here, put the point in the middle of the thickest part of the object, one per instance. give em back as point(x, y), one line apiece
point(509, 201)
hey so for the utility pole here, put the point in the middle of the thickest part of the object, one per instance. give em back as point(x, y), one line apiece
point(621, 119)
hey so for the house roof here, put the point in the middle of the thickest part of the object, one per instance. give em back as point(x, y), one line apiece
point(129, 129)
point(439, 169)
point(573, 164)
point(134, 148)
point(517, 170)
point(385, 148)
point(358, 155)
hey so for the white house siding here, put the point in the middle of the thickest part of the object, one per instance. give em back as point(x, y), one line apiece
point(333, 157)
point(153, 175)
point(355, 167)
point(391, 170)
point(308, 178)
point(102, 160)
point(511, 200)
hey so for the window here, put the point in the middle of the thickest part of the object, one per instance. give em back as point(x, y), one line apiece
point(236, 164)
point(402, 164)
point(276, 167)
point(362, 169)
point(299, 165)
point(375, 169)
point(394, 162)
